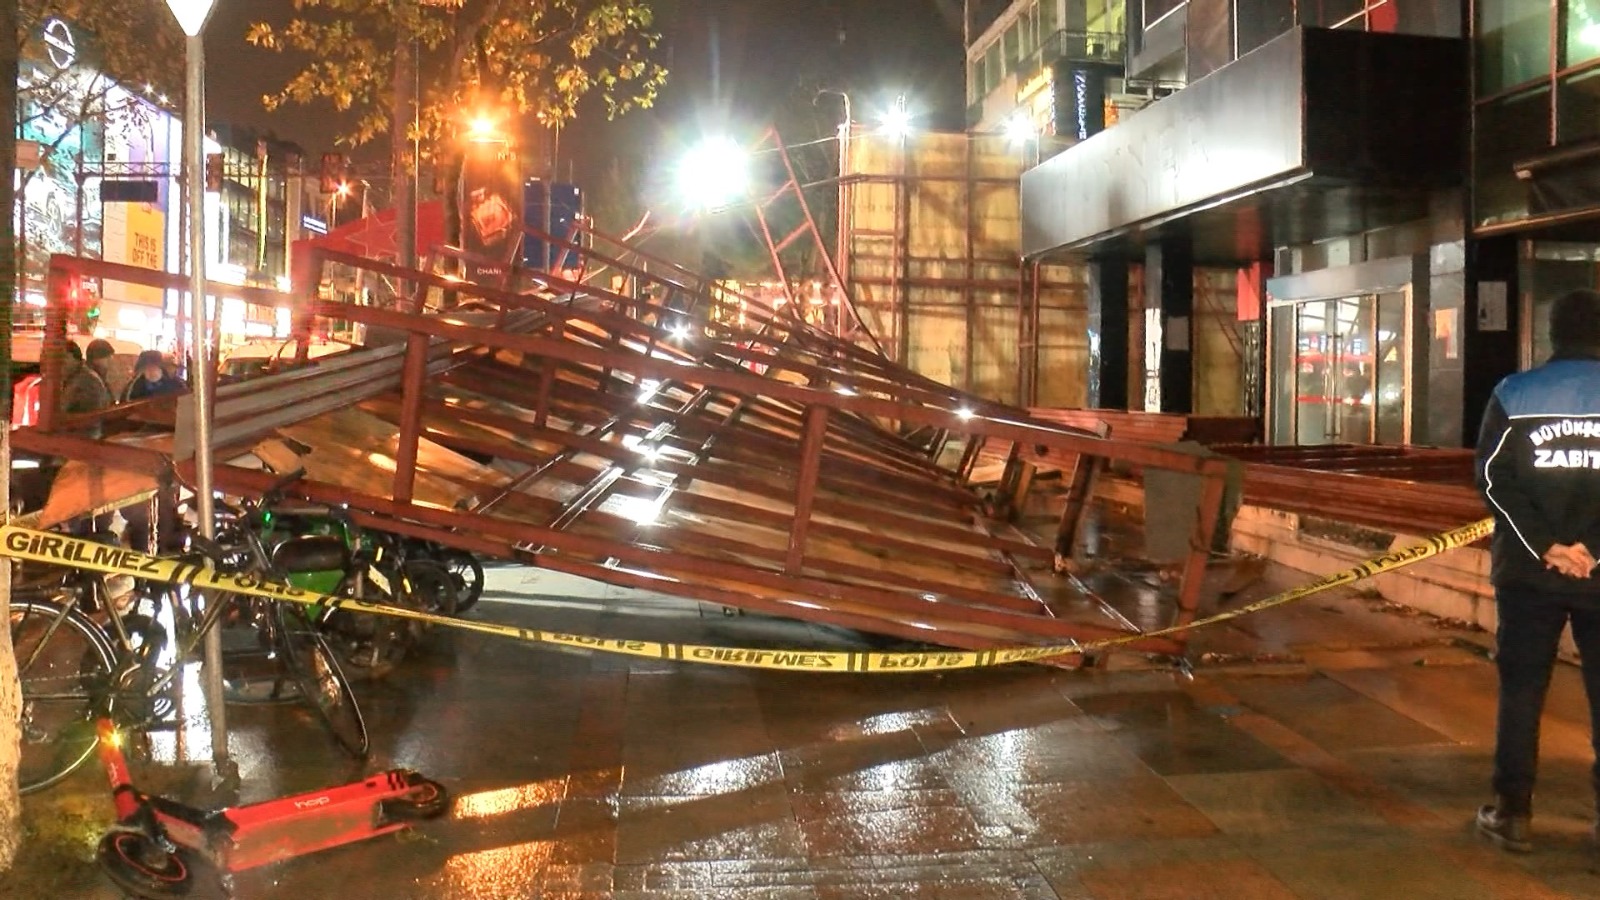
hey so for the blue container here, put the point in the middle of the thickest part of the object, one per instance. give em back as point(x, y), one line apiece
point(536, 254)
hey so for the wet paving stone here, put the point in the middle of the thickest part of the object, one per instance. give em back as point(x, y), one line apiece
point(749, 824)
point(579, 777)
point(1234, 879)
point(1334, 716)
point(857, 823)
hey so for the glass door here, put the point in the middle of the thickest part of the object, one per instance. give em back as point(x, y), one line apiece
point(1339, 370)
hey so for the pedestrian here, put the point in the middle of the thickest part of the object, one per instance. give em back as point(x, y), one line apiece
point(84, 390)
point(151, 379)
point(1538, 466)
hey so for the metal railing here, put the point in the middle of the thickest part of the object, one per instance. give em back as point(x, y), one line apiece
point(1075, 46)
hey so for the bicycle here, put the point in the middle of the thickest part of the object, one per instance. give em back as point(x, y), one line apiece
point(328, 553)
point(72, 666)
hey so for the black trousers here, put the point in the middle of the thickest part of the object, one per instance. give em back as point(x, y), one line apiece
point(1531, 623)
point(138, 517)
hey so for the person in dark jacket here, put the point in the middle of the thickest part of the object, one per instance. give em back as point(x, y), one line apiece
point(84, 388)
point(150, 379)
point(1538, 466)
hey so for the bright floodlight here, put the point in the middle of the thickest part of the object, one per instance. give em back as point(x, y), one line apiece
point(965, 413)
point(191, 14)
point(483, 129)
point(1019, 129)
point(897, 122)
point(680, 331)
point(714, 173)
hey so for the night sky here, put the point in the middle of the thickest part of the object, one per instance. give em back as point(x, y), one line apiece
point(772, 52)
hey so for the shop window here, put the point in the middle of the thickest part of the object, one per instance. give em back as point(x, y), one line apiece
point(1329, 13)
point(1389, 367)
point(1578, 106)
point(1437, 18)
point(1283, 381)
point(1582, 39)
point(1513, 43)
point(1555, 267)
point(1259, 21)
point(1507, 130)
point(1157, 9)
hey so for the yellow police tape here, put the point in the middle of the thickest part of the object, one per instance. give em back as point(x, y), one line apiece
point(45, 547)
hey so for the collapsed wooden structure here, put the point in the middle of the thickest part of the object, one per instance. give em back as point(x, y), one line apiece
point(675, 438)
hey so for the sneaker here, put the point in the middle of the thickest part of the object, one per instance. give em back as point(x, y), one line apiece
point(1508, 832)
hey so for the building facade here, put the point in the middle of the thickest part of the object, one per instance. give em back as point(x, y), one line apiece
point(1397, 191)
point(1054, 65)
point(98, 175)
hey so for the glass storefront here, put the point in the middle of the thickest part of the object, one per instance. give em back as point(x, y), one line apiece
point(1538, 87)
point(1339, 370)
point(1549, 269)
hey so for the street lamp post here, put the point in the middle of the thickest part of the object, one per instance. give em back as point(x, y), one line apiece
point(192, 16)
point(841, 218)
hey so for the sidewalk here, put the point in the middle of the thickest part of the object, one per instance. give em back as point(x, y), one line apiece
point(1346, 767)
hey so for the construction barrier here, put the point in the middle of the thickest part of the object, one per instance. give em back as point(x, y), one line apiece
point(46, 547)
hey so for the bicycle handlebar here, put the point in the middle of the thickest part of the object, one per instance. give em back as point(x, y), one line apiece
point(206, 547)
point(275, 492)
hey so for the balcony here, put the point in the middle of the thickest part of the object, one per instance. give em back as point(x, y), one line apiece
point(1073, 46)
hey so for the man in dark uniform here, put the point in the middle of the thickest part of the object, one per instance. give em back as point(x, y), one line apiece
point(1539, 469)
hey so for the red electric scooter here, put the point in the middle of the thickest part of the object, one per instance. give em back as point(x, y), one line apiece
point(150, 851)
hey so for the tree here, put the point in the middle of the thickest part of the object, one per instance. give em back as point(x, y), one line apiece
point(62, 86)
point(513, 57)
point(10, 687)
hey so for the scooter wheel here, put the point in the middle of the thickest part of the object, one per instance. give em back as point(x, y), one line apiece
point(141, 868)
point(428, 800)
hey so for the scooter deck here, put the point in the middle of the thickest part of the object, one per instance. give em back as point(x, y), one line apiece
point(245, 837)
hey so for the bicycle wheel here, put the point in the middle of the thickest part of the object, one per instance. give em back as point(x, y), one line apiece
point(315, 671)
point(433, 586)
point(468, 574)
point(65, 664)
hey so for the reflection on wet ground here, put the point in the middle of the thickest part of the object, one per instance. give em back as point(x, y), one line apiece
point(1347, 774)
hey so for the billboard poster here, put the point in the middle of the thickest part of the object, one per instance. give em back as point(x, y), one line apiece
point(52, 203)
point(491, 212)
point(136, 233)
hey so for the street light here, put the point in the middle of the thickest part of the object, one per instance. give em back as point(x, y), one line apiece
point(841, 217)
point(714, 173)
point(484, 129)
point(897, 120)
point(192, 16)
point(1019, 128)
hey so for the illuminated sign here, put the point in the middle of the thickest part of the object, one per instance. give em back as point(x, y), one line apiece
point(1084, 101)
point(59, 43)
point(313, 225)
